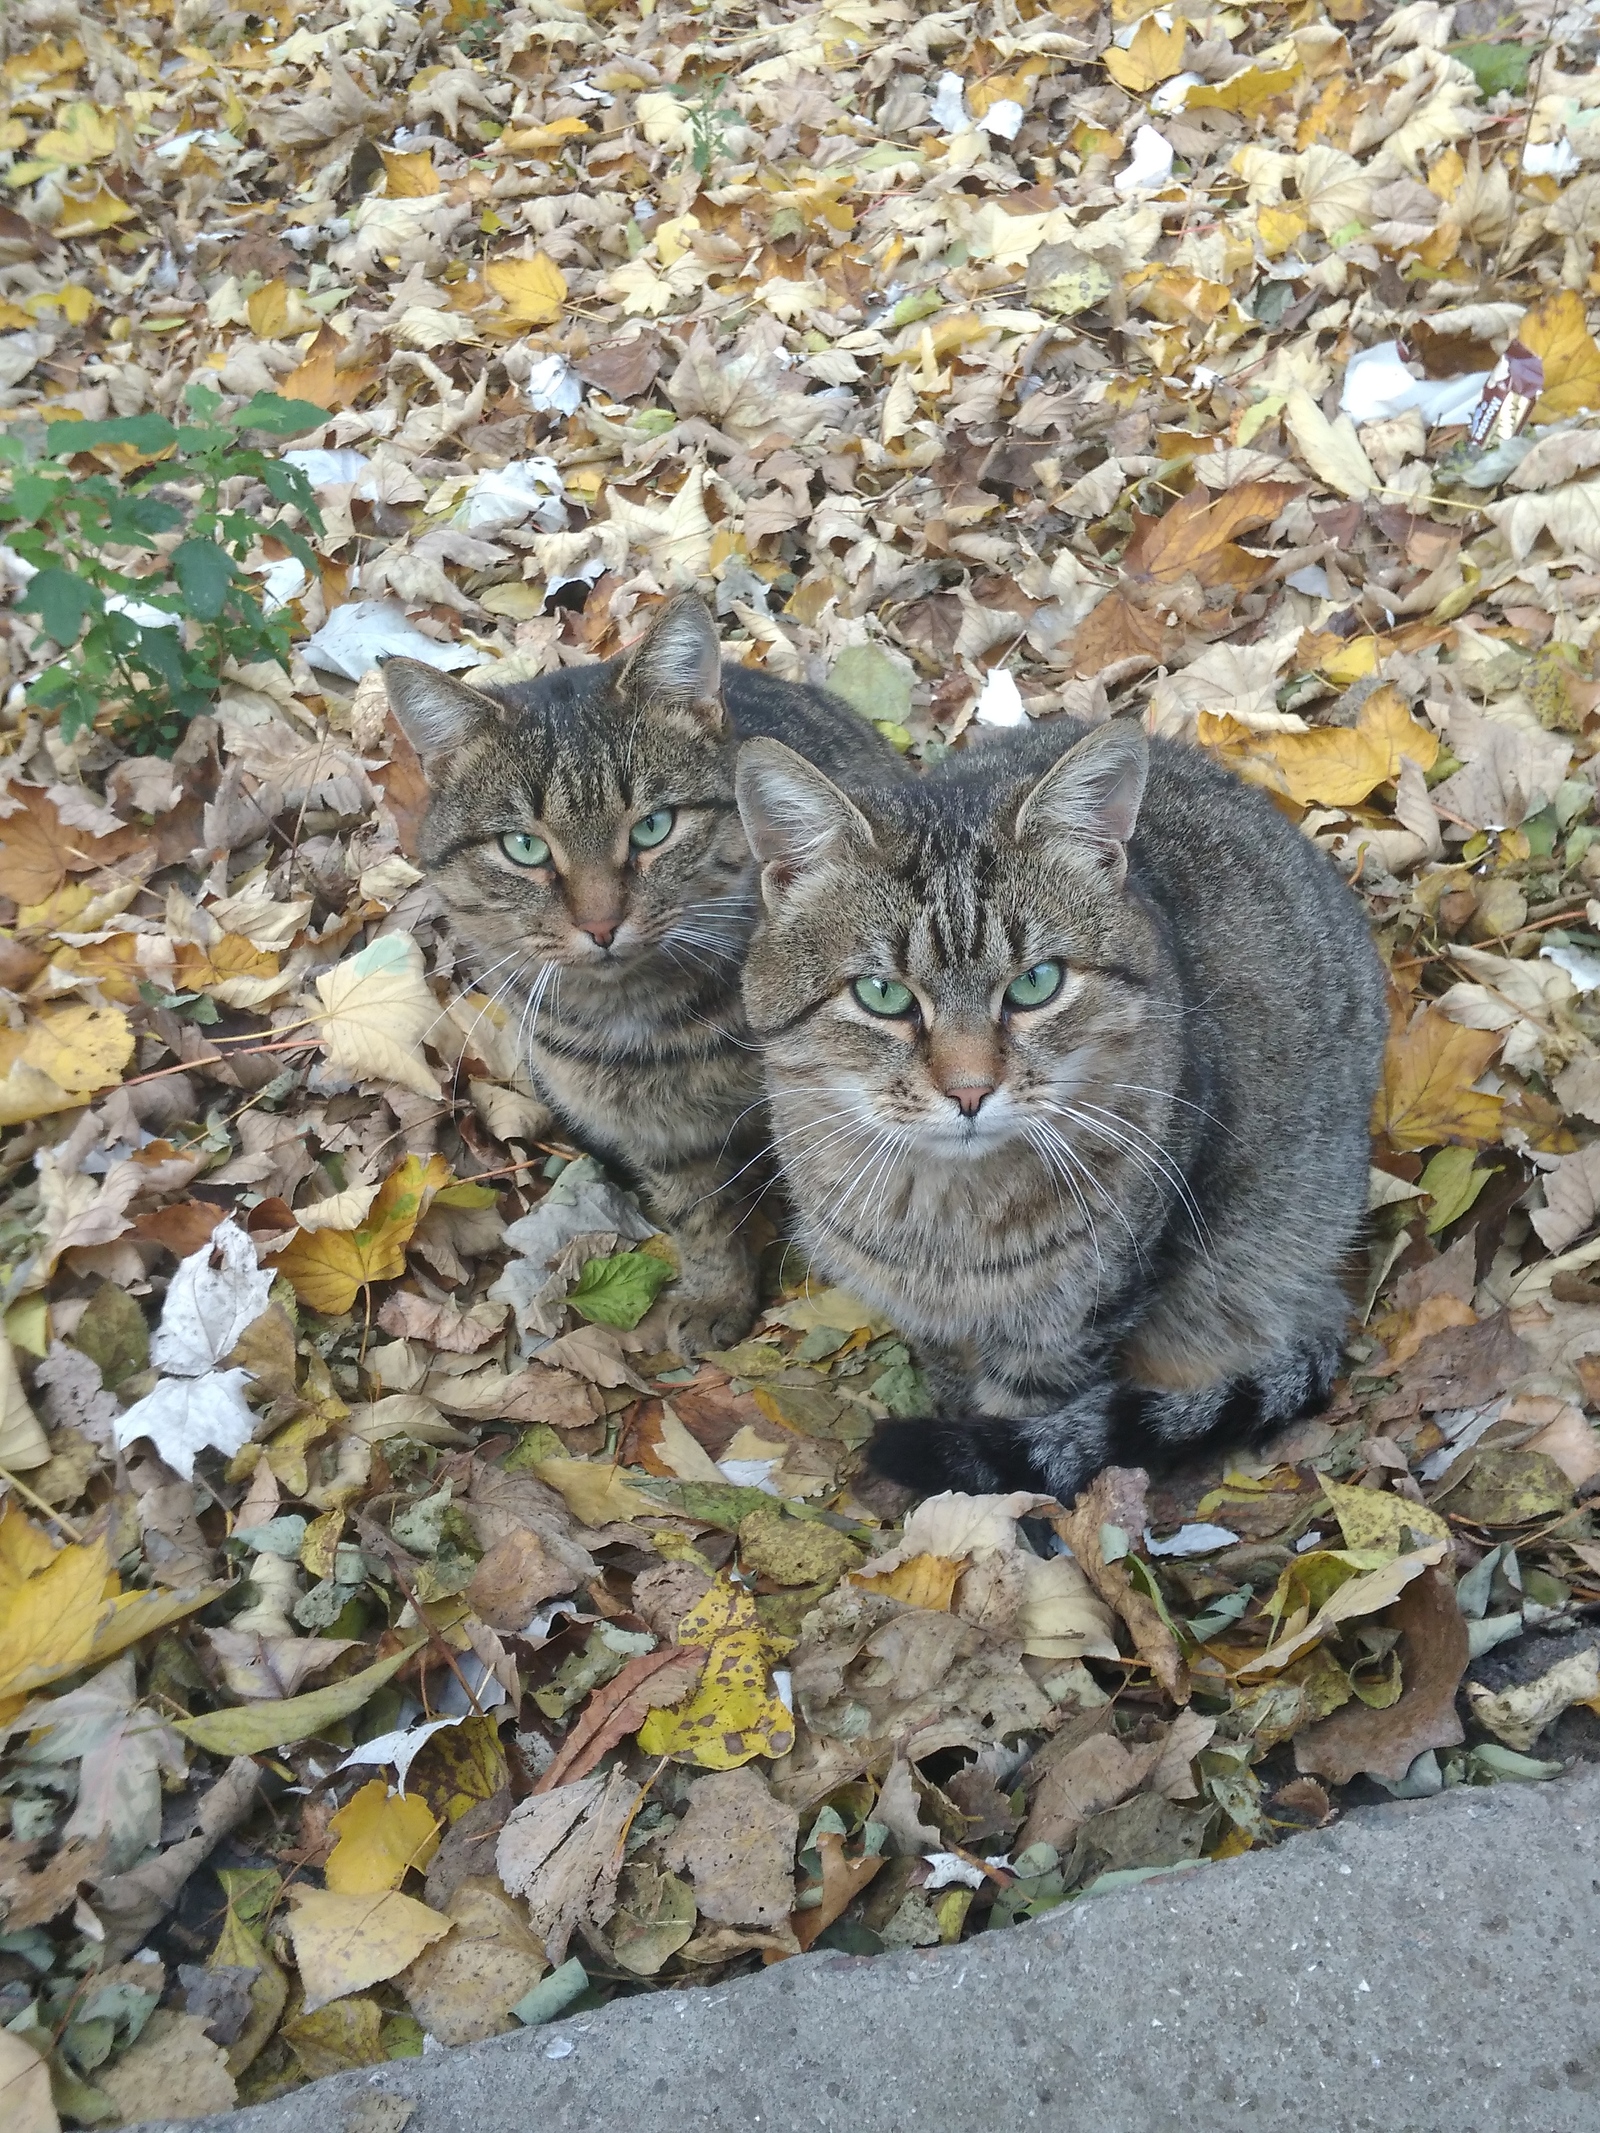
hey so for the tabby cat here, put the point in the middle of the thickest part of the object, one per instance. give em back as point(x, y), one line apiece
point(1070, 1053)
point(583, 834)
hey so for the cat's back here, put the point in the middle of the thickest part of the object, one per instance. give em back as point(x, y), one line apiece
point(813, 722)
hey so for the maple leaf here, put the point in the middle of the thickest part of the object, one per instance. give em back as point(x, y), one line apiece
point(1557, 331)
point(1337, 765)
point(1427, 1095)
point(330, 1267)
point(1197, 537)
point(377, 1010)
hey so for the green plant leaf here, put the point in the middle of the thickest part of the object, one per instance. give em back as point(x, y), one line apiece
point(206, 575)
point(277, 416)
point(62, 601)
point(618, 1291)
point(1496, 67)
point(255, 1727)
point(145, 433)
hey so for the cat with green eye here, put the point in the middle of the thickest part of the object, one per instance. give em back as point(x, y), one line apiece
point(583, 835)
point(1071, 1044)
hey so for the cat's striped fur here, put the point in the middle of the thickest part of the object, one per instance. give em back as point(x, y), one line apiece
point(1136, 1239)
point(622, 965)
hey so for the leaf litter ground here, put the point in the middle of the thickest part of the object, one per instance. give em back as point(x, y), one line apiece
point(394, 1639)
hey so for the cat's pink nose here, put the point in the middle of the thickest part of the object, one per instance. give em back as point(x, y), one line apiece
point(968, 1098)
point(602, 931)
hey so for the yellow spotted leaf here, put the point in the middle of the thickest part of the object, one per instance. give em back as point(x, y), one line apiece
point(1427, 1095)
point(922, 1581)
point(1373, 1518)
point(1154, 55)
point(534, 289)
point(1557, 331)
point(329, 1267)
point(342, 1943)
point(409, 177)
point(1337, 766)
point(734, 1714)
point(48, 1621)
point(381, 1836)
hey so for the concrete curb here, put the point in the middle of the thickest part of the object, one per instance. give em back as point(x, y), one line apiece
point(1423, 1966)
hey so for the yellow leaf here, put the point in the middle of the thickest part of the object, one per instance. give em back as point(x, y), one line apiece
point(1155, 55)
point(1367, 1593)
point(541, 140)
point(595, 1494)
point(73, 1051)
point(1558, 333)
point(259, 1726)
point(138, 1614)
point(534, 289)
point(342, 1943)
point(25, 2104)
point(276, 311)
point(922, 1581)
point(329, 1267)
point(25, 1549)
point(1427, 1095)
point(1331, 450)
point(1373, 1518)
point(88, 213)
point(1280, 227)
point(380, 1838)
point(1248, 94)
point(86, 135)
point(732, 1715)
point(1335, 765)
point(48, 1622)
point(377, 1010)
point(409, 177)
point(43, 62)
point(22, 1441)
point(72, 300)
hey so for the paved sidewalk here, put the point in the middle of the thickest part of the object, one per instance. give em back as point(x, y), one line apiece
point(1418, 1967)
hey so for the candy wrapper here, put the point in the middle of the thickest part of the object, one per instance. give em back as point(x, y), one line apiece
point(1507, 400)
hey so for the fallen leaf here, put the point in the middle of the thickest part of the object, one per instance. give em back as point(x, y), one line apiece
point(1335, 765)
point(734, 1714)
point(736, 1843)
point(259, 1726)
point(534, 289)
point(381, 1836)
point(25, 2088)
point(377, 1009)
point(173, 2071)
point(1330, 449)
point(342, 1943)
point(1386, 1741)
point(1518, 1716)
point(330, 1267)
point(1427, 1094)
point(464, 1987)
point(1557, 331)
point(1116, 1498)
point(1366, 1593)
point(562, 1851)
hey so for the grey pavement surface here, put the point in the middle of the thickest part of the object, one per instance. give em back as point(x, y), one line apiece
point(1420, 1966)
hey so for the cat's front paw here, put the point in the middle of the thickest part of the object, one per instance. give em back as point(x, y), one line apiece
point(696, 1325)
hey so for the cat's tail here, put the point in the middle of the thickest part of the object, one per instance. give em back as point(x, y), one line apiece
point(1060, 1452)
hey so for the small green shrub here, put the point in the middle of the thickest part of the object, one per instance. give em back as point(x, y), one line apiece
point(90, 538)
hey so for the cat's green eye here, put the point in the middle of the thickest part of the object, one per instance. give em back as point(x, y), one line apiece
point(654, 829)
point(525, 849)
point(1035, 987)
point(883, 996)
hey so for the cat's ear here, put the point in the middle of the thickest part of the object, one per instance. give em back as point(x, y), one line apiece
point(792, 814)
point(678, 664)
point(1091, 796)
point(436, 712)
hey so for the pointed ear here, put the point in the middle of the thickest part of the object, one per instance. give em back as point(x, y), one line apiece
point(437, 712)
point(792, 815)
point(1091, 795)
point(678, 663)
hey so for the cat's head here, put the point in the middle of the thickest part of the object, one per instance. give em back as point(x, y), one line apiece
point(585, 820)
point(948, 961)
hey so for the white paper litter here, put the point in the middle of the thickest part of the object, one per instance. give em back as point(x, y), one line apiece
point(948, 110)
point(1000, 700)
point(1551, 159)
point(1378, 384)
point(950, 1870)
point(1149, 165)
point(751, 1474)
point(1174, 94)
point(1582, 965)
point(1199, 1539)
point(356, 636)
point(1003, 119)
point(286, 580)
point(511, 495)
point(552, 386)
point(332, 470)
point(140, 611)
point(401, 1749)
